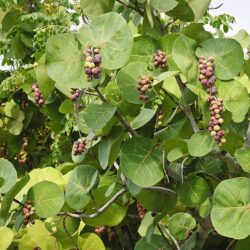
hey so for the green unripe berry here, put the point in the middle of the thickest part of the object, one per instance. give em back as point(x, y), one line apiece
point(221, 120)
point(223, 140)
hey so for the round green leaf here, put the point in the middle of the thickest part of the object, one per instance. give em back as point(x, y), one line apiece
point(193, 191)
point(96, 7)
point(227, 53)
point(243, 157)
point(143, 49)
point(112, 34)
point(97, 116)
point(48, 198)
point(127, 79)
point(157, 242)
point(230, 214)
point(8, 174)
point(63, 58)
point(156, 201)
point(163, 6)
point(90, 241)
point(180, 225)
point(141, 161)
point(184, 57)
point(6, 237)
point(235, 98)
point(80, 182)
point(200, 144)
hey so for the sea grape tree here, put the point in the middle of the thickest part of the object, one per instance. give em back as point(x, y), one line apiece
point(124, 124)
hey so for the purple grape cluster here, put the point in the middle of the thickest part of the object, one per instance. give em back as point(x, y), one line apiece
point(207, 77)
point(79, 146)
point(37, 94)
point(75, 94)
point(28, 212)
point(141, 210)
point(160, 59)
point(93, 60)
point(160, 119)
point(143, 85)
point(216, 120)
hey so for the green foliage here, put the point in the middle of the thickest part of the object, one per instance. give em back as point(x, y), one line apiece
point(147, 174)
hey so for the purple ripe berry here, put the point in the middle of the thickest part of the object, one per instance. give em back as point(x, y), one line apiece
point(204, 81)
point(34, 86)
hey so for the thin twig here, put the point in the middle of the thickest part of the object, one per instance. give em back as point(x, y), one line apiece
point(100, 210)
point(118, 116)
point(215, 8)
point(15, 200)
point(162, 233)
point(89, 93)
point(137, 9)
point(161, 189)
point(172, 238)
point(187, 109)
point(230, 245)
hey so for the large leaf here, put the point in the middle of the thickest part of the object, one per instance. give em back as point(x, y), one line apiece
point(141, 161)
point(184, 57)
point(90, 241)
point(163, 6)
point(235, 98)
point(227, 53)
point(48, 198)
point(9, 175)
point(143, 118)
point(127, 79)
point(231, 205)
point(38, 236)
point(9, 196)
point(243, 157)
point(63, 59)
point(80, 182)
point(193, 191)
point(15, 122)
point(190, 10)
point(180, 225)
point(143, 49)
point(97, 116)
point(111, 33)
point(96, 7)
point(243, 38)
point(157, 242)
point(167, 44)
point(200, 144)
point(6, 237)
point(156, 201)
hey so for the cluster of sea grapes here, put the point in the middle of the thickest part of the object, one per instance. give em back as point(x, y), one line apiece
point(75, 94)
point(160, 59)
point(28, 212)
point(23, 155)
point(207, 77)
point(216, 108)
point(160, 118)
point(37, 94)
point(93, 60)
point(79, 146)
point(3, 151)
point(100, 230)
point(216, 120)
point(143, 85)
point(141, 210)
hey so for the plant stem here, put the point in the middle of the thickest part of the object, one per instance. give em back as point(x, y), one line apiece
point(118, 116)
point(15, 200)
point(247, 138)
point(162, 190)
point(187, 109)
point(137, 9)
